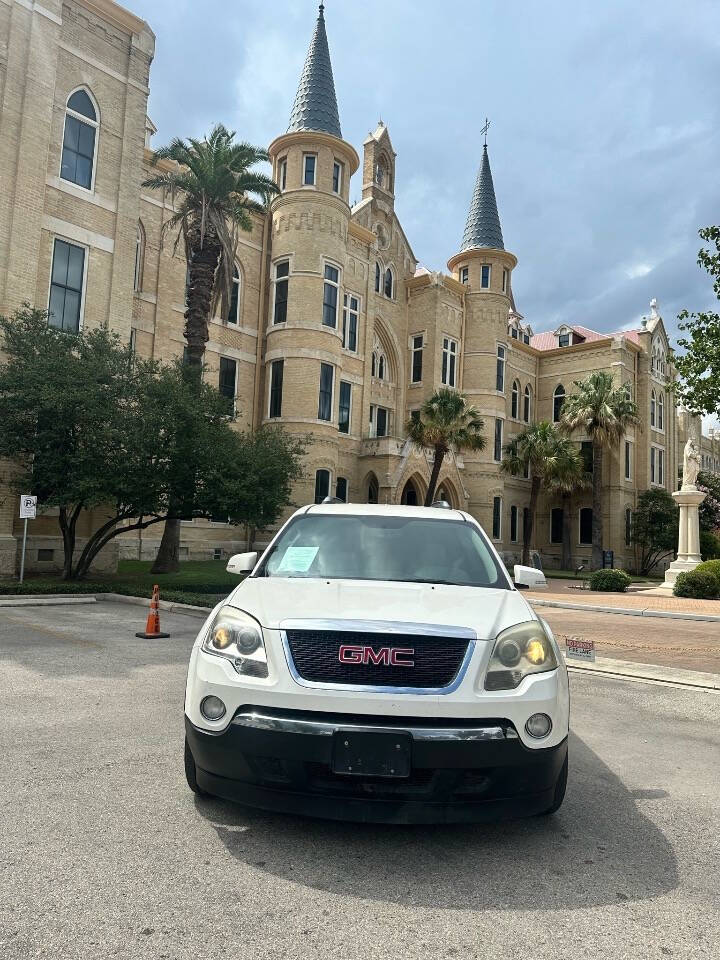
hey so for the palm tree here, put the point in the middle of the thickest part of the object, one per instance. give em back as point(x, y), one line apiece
point(213, 190)
point(604, 412)
point(552, 461)
point(214, 187)
point(446, 422)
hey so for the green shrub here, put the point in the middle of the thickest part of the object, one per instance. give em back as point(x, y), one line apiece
point(698, 584)
point(712, 566)
point(611, 581)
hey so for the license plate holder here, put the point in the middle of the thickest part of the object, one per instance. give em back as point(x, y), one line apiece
point(369, 754)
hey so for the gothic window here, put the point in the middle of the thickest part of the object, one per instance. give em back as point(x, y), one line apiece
point(661, 411)
point(515, 400)
point(389, 284)
point(527, 399)
point(653, 409)
point(139, 257)
point(234, 305)
point(558, 401)
point(378, 276)
point(79, 140)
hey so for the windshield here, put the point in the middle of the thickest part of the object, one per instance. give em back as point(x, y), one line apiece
point(408, 549)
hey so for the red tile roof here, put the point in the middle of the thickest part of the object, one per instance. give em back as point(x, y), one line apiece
point(549, 341)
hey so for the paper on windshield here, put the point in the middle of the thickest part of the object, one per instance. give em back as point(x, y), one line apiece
point(297, 559)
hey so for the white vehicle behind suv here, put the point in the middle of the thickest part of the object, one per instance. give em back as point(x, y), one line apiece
point(378, 664)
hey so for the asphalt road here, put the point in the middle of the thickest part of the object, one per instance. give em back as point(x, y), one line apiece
point(105, 853)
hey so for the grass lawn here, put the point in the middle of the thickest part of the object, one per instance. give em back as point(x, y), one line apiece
point(202, 583)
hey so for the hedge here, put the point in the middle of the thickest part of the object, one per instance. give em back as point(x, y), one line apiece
point(615, 581)
point(710, 566)
point(698, 584)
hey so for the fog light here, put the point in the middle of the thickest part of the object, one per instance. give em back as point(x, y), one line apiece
point(539, 725)
point(212, 708)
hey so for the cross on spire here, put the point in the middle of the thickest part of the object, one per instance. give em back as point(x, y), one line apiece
point(484, 130)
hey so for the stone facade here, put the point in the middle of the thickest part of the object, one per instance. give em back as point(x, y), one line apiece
point(331, 294)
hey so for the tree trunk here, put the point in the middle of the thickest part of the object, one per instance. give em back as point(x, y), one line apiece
point(67, 528)
point(201, 283)
point(566, 548)
point(437, 467)
point(530, 525)
point(597, 507)
point(201, 280)
point(168, 555)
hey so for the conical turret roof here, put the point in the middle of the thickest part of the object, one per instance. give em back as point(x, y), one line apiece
point(315, 106)
point(483, 223)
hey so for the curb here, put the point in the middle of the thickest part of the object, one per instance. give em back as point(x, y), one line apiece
point(625, 611)
point(647, 673)
point(170, 605)
point(58, 600)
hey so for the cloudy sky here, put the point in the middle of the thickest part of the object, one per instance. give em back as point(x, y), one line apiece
point(605, 135)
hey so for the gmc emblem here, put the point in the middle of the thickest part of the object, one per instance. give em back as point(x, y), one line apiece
point(383, 656)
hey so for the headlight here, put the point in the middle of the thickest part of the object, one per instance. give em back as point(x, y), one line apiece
point(518, 652)
point(237, 637)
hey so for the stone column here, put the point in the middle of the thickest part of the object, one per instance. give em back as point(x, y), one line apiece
point(688, 557)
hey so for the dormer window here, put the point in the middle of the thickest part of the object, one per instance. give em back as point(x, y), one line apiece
point(564, 340)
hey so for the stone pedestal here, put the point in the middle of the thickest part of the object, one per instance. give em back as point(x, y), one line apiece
point(688, 555)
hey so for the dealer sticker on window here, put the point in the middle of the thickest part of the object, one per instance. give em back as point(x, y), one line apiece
point(298, 559)
point(580, 649)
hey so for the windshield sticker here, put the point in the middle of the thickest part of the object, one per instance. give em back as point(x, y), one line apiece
point(298, 559)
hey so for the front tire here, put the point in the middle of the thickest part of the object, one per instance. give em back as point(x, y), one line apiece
point(560, 787)
point(191, 772)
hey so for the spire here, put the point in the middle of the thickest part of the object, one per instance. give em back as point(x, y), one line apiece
point(483, 223)
point(315, 106)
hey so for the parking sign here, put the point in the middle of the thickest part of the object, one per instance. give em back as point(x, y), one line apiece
point(28, 507)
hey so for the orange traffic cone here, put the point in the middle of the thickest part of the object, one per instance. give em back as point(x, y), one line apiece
point(152, 627)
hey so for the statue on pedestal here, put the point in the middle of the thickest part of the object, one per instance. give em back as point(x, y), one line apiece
point(691, 461)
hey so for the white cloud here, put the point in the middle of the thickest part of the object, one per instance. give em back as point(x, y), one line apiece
point(638, 270)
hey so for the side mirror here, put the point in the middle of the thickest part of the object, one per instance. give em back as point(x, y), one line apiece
point(241, 563)
point(528, 578)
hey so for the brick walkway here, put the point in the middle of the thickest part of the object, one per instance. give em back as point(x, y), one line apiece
point(569, 592)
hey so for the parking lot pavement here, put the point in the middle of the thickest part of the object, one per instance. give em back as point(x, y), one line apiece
point(105, 853)
point(684, 644)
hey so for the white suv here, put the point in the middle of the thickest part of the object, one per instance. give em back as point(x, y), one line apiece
point(378, 664)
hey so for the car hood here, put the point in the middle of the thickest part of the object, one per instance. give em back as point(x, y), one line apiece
point(272, 600)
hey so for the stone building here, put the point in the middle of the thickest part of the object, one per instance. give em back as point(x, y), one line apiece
point(334, 330)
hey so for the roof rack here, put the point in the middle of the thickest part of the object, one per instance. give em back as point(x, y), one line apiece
point(441, 504)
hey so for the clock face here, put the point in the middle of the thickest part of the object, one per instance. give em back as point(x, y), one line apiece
point(382, 235)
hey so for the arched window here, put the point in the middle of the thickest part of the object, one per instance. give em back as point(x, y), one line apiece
point(526, 404)
point(139, 257)
point(372, 490)
point(378, 275)
point(515, 400)
point(653, 407)
point(373, 365)
point(558, 401)
point(661, 411)
point(378, 363)
point(379, 173)
point(79, 140)
point(234, 306)
point(389, 283)
point(381, 367)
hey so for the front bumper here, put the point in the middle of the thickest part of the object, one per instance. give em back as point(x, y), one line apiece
point(464, 772)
